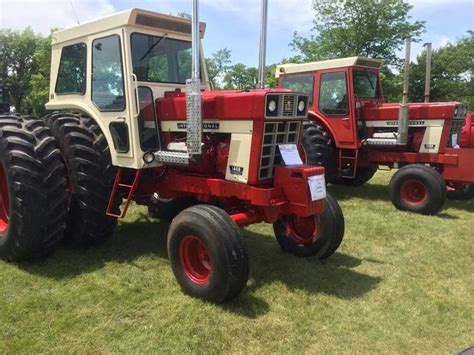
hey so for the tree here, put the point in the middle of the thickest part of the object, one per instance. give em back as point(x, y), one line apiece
point(218, 65)
point(371, 28)
point(36, 98)
point(241, 77)
point(451, 73)
point(17, 65)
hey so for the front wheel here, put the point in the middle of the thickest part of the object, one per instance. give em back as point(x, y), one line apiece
point(319, 236)
point(207, 254)
point(418, 188)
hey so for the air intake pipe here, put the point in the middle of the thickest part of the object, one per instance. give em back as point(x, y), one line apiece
point(193, 88)
point(403, 118)
point(428, 72)
point(263, 46)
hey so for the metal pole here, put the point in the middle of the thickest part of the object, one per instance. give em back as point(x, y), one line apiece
point(196, 44)
point(193, 97)
point(403, 119)
point(263, 46)
point(428, 72)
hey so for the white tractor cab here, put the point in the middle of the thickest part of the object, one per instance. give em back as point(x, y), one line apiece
point(133, 58)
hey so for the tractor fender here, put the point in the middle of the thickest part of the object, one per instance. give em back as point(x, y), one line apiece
point(315, 117)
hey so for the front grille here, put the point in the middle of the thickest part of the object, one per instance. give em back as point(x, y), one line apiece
point(276, 133)
point(455, 132)
point(289, 105)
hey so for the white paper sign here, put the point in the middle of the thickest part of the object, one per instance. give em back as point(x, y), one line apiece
point(317, 187)
point(454, 140)
point(290, 155)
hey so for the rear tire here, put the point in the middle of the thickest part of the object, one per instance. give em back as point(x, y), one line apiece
point(32, 189)
point(315, 236)
point(319, 149)
point(461, 192)
point(91, 176)
point(207, 254)
point(418, 188)
point(168, 210)
point(362, 176)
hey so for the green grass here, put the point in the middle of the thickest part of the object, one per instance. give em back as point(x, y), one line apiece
point(400, 283)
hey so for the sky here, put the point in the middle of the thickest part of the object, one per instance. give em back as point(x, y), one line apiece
point(234, 24)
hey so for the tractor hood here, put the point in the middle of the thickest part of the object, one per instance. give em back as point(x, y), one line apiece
point(222, 105)
point(425, 111)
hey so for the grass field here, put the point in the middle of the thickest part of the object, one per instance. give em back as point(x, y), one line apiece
point(400, 283)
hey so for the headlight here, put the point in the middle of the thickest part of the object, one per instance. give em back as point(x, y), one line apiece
point(272, 105)
point(148, 157)
point(301, 106)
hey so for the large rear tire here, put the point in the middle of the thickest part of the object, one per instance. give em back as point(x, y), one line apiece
point(167, 210)
point(32, 189)
point(418, 188)
point(207, 254)
point(319, 149)
point(91, 176)
point(315, 236)
point(460, 192)
point(363, 175)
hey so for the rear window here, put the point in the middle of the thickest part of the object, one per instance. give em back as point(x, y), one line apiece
point(299, 83)
point(72, 70)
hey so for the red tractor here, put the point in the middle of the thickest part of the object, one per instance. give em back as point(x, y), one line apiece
point(123, 128)
point(351, 132)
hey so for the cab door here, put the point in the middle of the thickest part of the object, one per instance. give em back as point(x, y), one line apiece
point(334, 102)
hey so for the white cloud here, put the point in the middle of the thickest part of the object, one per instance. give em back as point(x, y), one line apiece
point(42, 15)
point(443, 41)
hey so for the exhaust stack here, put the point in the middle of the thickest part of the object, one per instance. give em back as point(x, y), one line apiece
point(428, 72)
point(193, 88)
point(403, 119)
point(263, 46)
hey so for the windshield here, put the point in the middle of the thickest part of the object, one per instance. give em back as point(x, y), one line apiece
point(161, 59)
point(299, 83)
point(365, 84)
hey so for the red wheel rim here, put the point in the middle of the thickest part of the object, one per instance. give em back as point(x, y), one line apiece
point(304, 230)
point(195, 259)
point(4, 200)
point(413, 192)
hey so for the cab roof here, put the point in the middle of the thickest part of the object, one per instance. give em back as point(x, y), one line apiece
point(292, 68)
point(132, 17)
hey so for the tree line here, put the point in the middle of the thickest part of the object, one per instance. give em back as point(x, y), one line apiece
point(341, 28)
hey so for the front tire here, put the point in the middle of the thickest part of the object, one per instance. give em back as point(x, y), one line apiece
point(32, 189)
point(418, 188)
point(207, 254)
point(314, 236)
point(91, 176)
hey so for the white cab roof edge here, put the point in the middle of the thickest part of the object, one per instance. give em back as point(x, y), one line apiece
point(131, 17)
point(292, 68)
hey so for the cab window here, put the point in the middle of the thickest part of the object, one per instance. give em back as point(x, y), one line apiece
point(161, 59)
point(299, 83)
point(107, 74)
point(333, 94)
point(72, 70)
point(365, 84)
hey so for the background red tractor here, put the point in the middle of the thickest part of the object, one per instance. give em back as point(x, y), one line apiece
point(123, 129)
point(352, 132)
